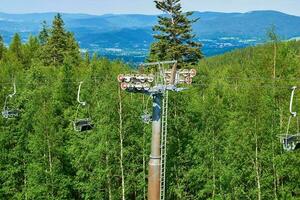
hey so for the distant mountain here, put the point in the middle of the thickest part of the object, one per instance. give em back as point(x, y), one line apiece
point(250, 24)
point(128, 36)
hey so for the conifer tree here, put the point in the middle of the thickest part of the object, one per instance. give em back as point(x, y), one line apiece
point(72, 49)
point(174, 37)
point(44, 34)
point(31, 50)
point(87, 58)
point(2, 47)
point(67, 88)
point(57, 43)
point(15, 47)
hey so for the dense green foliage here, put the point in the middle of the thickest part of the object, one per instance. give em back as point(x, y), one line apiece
point(222, 131)
point(174, 35)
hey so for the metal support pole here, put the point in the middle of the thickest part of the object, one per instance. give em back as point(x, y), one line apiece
point(157, 88)
point(155, 158)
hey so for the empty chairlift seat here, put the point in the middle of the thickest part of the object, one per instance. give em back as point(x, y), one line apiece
point(82, 125)
point(8, 114)
point(290, 142)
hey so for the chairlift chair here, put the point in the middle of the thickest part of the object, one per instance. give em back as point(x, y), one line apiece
point(82, 124)
point(147, 118)
point(290, 142)
point(7, 112)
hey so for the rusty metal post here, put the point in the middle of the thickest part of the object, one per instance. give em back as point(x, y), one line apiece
point(155, 157)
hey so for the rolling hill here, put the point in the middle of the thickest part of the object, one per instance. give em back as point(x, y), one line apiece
point(128, 36)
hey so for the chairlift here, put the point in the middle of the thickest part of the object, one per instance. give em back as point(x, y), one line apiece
point(7, 112)
point(82, 124)
point(146, 117)
point(290, 142)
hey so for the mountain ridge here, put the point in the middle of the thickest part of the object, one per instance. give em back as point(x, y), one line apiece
point(112, 14)
point(131, 34)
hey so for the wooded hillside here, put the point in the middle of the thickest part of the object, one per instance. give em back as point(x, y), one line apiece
point(223, 131)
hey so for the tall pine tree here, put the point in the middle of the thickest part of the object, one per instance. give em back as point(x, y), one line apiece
point(57, 43)
point(72, 50)
point(15, 47)
point(174, 37)
point(2, 47)
point(31, 51)
point(44, 34)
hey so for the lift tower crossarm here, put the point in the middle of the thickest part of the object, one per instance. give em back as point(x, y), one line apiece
point(158, 63)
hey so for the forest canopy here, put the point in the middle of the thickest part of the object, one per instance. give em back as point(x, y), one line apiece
point(223, 131)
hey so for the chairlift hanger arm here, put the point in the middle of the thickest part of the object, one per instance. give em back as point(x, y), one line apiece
point(78, 95)
point(5, 103)
point(15, 90)
point(10, 113)
point(10, 95)
point(294, 114)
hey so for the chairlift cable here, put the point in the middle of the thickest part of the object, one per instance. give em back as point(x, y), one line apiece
point(224, 78)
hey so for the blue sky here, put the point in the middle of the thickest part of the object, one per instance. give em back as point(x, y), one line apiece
point(144, 6)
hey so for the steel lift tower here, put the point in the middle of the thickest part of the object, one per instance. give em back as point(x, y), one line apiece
point(157, 86)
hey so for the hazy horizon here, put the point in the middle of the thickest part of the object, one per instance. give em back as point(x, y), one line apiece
point(78, 13)
point(146, 7)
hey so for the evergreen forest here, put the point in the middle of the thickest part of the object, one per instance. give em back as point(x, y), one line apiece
point(222, 132)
